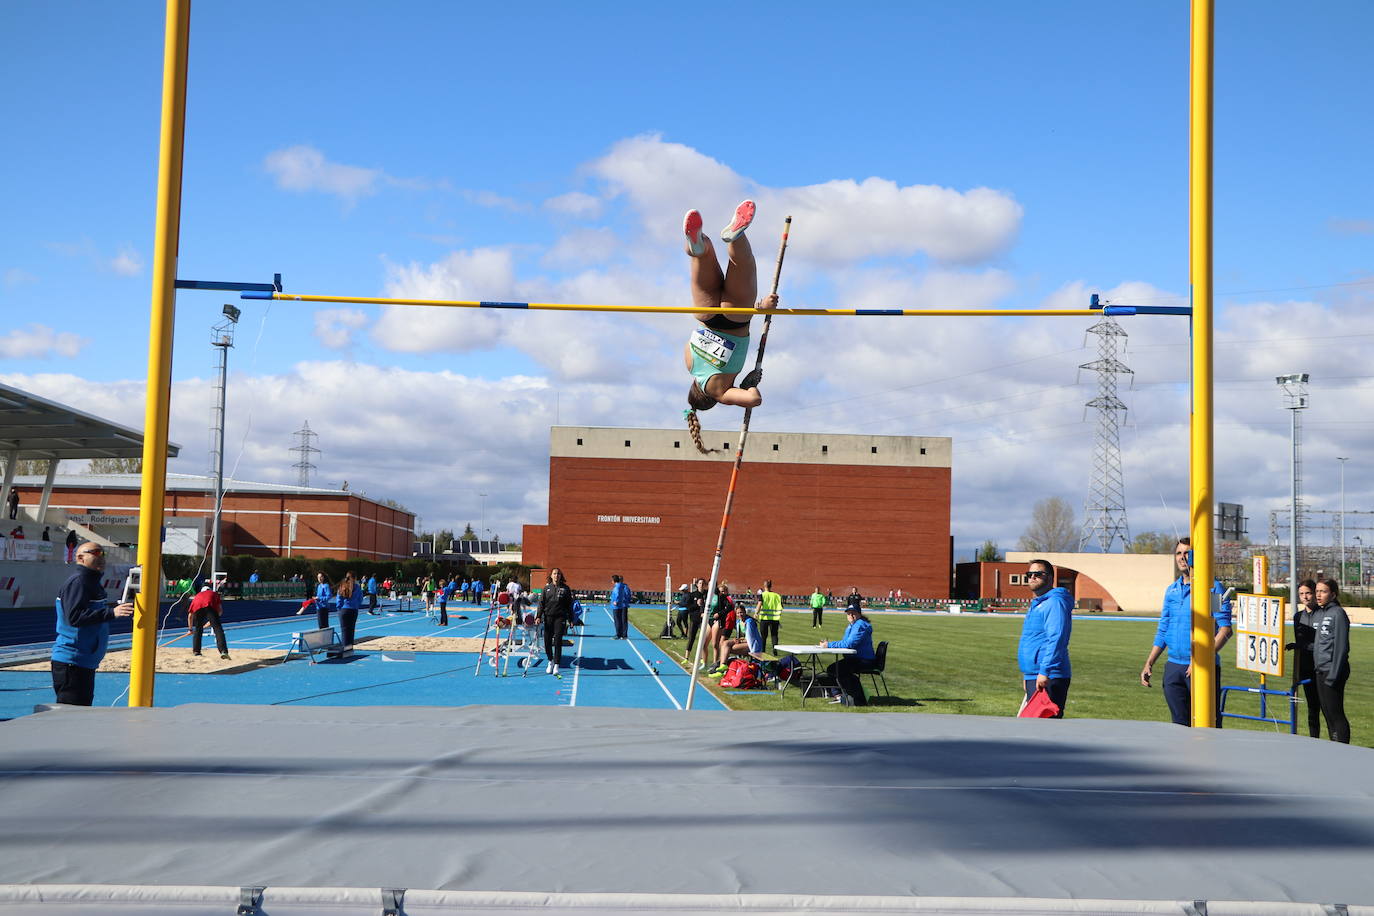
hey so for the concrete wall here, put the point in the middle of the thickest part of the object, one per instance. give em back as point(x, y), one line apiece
point(1136, 580)
point(1004, 580)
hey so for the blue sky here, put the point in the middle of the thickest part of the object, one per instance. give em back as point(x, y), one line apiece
point(540, 150)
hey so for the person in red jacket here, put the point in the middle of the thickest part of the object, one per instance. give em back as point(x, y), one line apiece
point(206, 607)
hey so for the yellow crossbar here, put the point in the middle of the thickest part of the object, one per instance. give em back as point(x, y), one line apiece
point(679, 309)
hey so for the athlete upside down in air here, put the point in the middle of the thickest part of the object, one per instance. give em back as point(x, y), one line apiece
point(719, 346)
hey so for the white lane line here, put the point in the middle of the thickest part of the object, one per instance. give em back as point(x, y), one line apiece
point(648, 667)
point(577, 660)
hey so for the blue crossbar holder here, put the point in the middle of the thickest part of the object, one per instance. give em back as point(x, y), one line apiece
point(273, 287)
point(1263, 692)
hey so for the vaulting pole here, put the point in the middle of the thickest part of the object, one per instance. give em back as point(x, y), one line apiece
point(734, 479)
point(157, 405)
point(1200, 274)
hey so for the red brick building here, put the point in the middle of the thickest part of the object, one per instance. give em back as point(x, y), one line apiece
point(810, 509)
point(255, 518)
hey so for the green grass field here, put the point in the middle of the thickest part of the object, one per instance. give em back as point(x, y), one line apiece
point(967, 664)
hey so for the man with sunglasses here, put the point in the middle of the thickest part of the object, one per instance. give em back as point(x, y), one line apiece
point(1043, 654)
point(83, 628)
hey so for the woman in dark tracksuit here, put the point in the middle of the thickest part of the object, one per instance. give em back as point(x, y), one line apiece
point(1303, 637)
point(1331, 658)
point(555, 611)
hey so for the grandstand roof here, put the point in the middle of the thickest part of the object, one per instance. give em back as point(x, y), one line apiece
point(35, 427)
point(193, 482)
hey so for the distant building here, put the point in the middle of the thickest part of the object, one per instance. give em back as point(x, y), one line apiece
point(262, 519)
point(1130, 582)
point(810, 509)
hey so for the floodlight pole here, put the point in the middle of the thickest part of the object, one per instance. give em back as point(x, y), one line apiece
point(1295, 392)
point(1341, 577)
point(222, 339)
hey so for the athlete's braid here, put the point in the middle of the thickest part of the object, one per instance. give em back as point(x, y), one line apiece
point(694, 427)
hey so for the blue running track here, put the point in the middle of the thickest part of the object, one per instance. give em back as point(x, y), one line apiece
point(597, 671)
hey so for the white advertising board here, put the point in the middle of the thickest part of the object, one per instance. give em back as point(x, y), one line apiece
point(1258, 622)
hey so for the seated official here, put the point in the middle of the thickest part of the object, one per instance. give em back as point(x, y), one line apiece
point(858, 635)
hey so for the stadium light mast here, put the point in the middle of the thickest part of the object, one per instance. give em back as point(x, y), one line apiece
point(1295, 397)
point(222, 339)
point(1341, 532)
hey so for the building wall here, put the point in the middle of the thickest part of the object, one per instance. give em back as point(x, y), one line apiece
point(1135, 580)
point(534, 546)
point(801, 523)
point(328, 525)
point(1003, 580)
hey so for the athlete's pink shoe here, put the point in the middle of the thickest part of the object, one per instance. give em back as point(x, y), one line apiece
point(744, 215)
point(696, 239)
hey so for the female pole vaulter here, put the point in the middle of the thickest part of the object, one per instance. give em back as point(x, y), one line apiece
point(718, 347)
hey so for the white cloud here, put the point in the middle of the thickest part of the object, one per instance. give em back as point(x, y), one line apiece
point(483, 274)
point(334, 327)
point(583, 247)
point(844, 220)
point(1350, 226)
point(38, 341)
point(575, 204)
point(305, 168)
point(128, 263)
point(494, 201)
point(16, 277)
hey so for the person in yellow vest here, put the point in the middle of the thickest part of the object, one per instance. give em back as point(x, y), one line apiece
point(769, 613)
point(817, 607)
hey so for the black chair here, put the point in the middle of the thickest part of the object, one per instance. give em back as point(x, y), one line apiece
point(876, 671)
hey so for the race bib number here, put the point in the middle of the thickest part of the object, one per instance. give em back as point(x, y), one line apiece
point(712, 347)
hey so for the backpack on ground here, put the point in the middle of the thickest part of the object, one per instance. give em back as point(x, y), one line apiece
point(789, 669)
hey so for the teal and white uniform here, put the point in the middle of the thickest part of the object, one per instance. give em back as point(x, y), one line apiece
point(714, 353)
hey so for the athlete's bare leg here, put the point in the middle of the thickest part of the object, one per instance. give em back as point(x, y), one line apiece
point(741, 288)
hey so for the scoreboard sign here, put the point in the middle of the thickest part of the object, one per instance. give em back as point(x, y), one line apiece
point(1260, 636)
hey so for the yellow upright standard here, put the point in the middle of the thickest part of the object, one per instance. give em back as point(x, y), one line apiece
point(162, 314)
point(1200, 275)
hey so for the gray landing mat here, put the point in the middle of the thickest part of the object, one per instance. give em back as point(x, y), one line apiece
point(629, 810)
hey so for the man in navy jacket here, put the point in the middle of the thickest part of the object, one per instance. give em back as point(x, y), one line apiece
point(83, 628)
point(1043, 655)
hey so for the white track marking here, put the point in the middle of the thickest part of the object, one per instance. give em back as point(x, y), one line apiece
point(647, 666)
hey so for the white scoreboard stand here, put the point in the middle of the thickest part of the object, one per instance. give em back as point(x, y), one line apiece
point(1258, 622)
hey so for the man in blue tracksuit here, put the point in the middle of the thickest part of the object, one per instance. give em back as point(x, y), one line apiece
point(84, 613)
point(1175, 633)
point(620, 607)
point(1043, 655)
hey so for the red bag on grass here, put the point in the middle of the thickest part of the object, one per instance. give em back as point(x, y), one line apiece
point(742, 674)
point(1039, 706)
